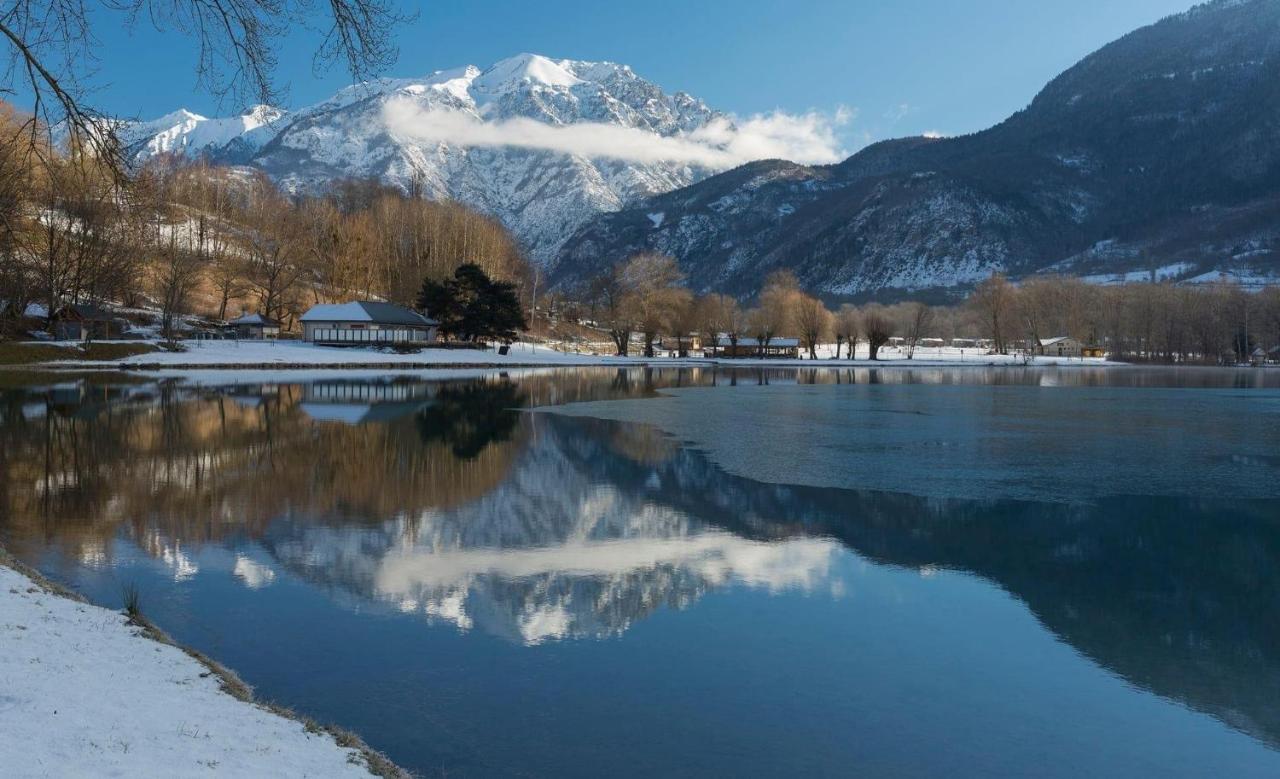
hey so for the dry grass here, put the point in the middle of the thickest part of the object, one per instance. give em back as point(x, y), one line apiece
point(32, 353)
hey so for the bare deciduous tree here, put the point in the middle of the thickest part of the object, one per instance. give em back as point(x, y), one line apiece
point(49, 50)
point(877, 327)
point(993, 300)
point(813, 323)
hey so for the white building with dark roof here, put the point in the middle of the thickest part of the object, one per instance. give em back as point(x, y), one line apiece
point(1062, 346)
point(366, 322)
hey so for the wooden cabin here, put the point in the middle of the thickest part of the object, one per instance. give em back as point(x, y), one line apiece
point(254, 327)
point(86, 323)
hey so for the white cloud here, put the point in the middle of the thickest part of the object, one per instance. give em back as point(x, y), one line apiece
point(810, 138)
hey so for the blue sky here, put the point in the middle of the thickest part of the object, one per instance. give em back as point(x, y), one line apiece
point(905, 67)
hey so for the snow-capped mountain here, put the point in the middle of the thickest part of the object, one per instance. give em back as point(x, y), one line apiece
point(184, 132)
point(541, 194)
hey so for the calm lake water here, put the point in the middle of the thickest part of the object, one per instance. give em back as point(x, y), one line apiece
point(694, 572)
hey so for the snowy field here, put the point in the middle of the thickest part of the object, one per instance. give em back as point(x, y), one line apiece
point(83, 694)
point(296, 354)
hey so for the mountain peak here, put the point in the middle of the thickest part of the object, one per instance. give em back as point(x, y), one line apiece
point(525, 69)
point(179, 116)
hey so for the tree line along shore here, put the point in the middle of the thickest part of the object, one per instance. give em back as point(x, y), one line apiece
point(179, 243)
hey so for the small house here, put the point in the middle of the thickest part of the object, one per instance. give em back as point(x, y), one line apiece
point(1062, 346)
point(1093, 350)
point(750, 347)
point(366, 322)
point(85, 323)
point(932, 343)
point(254, 327)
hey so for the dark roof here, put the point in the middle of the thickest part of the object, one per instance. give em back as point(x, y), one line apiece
point(390, 313)
point(254, 319)
point(88, 313)
point(774, 343)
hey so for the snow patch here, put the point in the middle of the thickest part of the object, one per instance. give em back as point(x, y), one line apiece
point(85, 695)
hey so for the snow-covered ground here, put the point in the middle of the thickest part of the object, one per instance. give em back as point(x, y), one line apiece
point(296, 354)
point(83, 694)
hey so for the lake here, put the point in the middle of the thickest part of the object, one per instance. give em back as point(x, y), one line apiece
point(587, 572)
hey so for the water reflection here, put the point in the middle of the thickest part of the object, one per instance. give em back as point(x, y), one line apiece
point(443, 501)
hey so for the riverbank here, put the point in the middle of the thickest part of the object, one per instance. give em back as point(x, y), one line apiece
point(235, 355)
point(89, 691)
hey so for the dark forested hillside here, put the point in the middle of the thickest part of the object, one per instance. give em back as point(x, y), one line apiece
point(1157, 156)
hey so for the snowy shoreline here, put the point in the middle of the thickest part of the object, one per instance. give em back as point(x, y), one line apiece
point(87, 691)
point(294, 355)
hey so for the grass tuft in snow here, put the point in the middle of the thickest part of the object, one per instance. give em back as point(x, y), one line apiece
point(133, 602)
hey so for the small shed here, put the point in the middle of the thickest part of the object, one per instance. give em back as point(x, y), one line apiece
point(85, 323)
point(366, 322)
point(254, 327)
point(1061, 346)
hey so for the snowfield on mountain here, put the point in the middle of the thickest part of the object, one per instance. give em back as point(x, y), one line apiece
point(542, 195)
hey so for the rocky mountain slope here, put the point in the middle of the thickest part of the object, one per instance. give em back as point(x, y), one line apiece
point(542, 195)
point(1157, 156)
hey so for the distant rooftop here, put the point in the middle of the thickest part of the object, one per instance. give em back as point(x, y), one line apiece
point(774, 343)
point(366, 311)
point(254, 319)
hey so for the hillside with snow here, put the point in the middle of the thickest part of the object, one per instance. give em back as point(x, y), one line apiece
point(1156, 157)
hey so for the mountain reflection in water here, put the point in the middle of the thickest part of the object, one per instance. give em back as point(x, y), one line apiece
point(443, 500)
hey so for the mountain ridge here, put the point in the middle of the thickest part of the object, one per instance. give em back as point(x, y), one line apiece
point(1156, 151)
point(541, 195)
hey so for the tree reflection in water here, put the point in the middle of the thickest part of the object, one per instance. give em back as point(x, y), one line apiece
point(539, 528)
point(471, 417)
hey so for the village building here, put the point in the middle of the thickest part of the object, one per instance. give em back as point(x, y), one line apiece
point(692, 343)
point(254, 327)
point(1062, 346)
point(366, 322)
point(86, 323)
point(750, 347)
